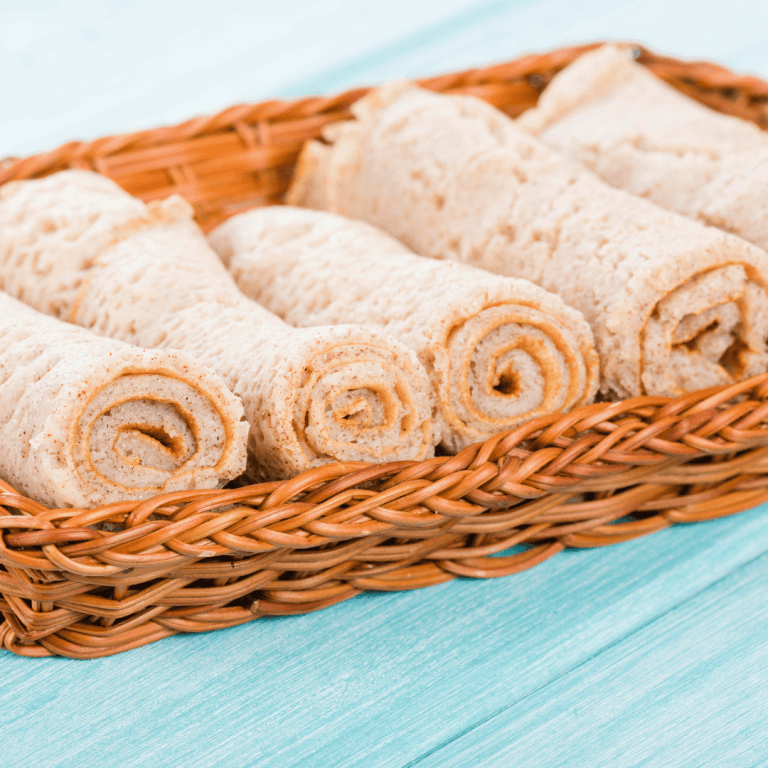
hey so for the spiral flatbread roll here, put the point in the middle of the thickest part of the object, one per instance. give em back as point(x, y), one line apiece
point(499, 351)
point(674, 305)
point(641, 135)
point(86, 421)
point(311, 396)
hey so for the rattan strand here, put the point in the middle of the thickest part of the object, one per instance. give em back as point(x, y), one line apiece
point(90, 583)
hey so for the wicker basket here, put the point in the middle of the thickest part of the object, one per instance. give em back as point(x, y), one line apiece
point(202, 560)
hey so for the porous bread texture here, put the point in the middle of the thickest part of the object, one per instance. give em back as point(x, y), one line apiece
point(454, 178)
point(499, 351)
point(311, 396)
point(52, 230)
point(640, 134)
point(87, 421)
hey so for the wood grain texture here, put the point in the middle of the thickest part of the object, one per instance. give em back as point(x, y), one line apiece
point(378, 681)
point(160, 63)
point(728, 33)
point(688, 689)
point(584, 660)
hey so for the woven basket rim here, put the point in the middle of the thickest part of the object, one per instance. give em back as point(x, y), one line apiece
point(16, 166)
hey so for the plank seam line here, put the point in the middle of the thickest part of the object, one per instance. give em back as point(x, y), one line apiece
point(461, 734)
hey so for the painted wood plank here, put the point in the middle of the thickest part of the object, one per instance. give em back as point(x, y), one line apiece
point(115, 68)
point(728, 33)
point(118, 67)
point(379, 680)
point(688, 689)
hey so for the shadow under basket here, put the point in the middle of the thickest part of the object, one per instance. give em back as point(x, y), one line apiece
point(90, 583)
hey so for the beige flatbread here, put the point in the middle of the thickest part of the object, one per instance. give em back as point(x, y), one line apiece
point(311, 396)
point(499, 351)
point(640, 134)
point(674, 305)
point(86, 421)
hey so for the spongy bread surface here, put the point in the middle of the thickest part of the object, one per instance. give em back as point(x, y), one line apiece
point(640, 134)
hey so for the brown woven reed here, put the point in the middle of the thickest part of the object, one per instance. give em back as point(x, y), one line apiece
point(89, 583)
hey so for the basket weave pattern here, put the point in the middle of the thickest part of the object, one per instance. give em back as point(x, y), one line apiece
point(89, 583)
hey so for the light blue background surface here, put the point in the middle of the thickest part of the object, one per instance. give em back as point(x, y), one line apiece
point(649, 653)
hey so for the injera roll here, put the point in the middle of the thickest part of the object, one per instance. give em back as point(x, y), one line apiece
point(146, 275)
point(675, 305)
point(640, 134)
point(86, 421)
point(499, 351)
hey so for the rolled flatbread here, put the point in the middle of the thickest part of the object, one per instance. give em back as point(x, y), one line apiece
point(674, 305)
point(499, 351)
point(76, 245)
point(86, 421)
point(640, 134)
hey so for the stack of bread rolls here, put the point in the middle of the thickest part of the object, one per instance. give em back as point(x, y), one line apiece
point(79, 247)
point(498, 351)
point(674, 305)
point(441, 274)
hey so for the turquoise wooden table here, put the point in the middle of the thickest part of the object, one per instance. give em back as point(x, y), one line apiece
point(647, 653)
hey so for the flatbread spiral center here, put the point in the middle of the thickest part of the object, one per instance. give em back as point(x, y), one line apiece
point(355, 400)
point(511, 361)
point(709, 331)
point(141, 429)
